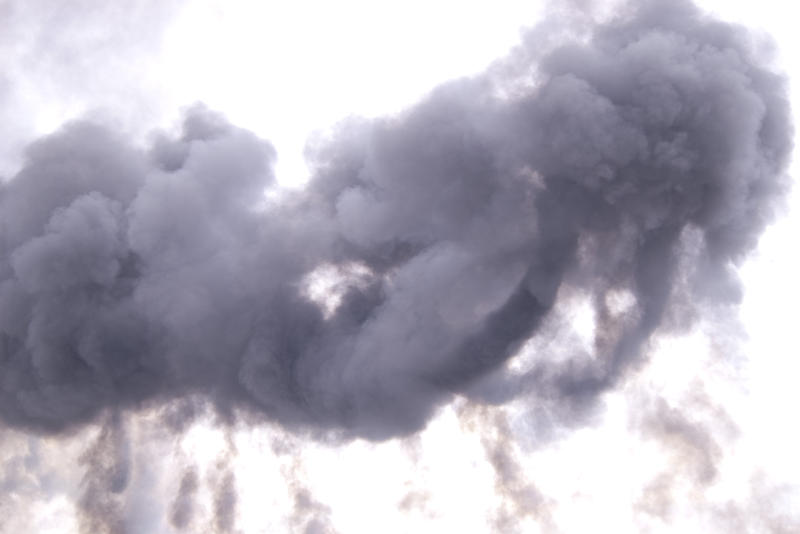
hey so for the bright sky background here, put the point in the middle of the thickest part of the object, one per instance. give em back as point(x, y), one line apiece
point(289, 70)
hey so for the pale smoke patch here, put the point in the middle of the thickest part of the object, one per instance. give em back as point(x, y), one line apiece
point(328, 284)
point(307, 515)
point(520, 502)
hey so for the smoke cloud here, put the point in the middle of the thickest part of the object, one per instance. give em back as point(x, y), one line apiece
point(643, 161)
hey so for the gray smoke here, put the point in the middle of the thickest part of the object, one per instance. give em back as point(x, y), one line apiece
point(101, 506)
point(53, 55)
point(519, 498)
point(181, 512)
point(131, 277)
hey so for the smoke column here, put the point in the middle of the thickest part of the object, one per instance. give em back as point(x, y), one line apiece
point(644, 160)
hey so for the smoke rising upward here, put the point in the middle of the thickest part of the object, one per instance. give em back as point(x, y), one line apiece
point(644, 161)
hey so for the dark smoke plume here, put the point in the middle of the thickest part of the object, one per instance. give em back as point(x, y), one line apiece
point(130, 277)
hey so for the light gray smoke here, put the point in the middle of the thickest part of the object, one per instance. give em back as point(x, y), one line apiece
point(131, 277)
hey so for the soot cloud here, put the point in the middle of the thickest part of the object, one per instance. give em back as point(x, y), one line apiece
point(131, 277)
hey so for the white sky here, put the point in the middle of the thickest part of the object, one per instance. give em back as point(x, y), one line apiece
point(289, 69)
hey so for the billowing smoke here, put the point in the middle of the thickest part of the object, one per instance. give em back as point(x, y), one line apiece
point(637, 164)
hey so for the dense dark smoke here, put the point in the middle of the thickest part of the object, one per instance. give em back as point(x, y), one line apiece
point(134, 276)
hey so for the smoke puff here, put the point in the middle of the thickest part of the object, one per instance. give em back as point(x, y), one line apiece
point(129, 277)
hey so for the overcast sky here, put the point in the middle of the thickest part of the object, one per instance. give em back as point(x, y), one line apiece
point(397, 267)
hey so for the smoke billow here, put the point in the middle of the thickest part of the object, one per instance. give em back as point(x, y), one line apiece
point(130, 277)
